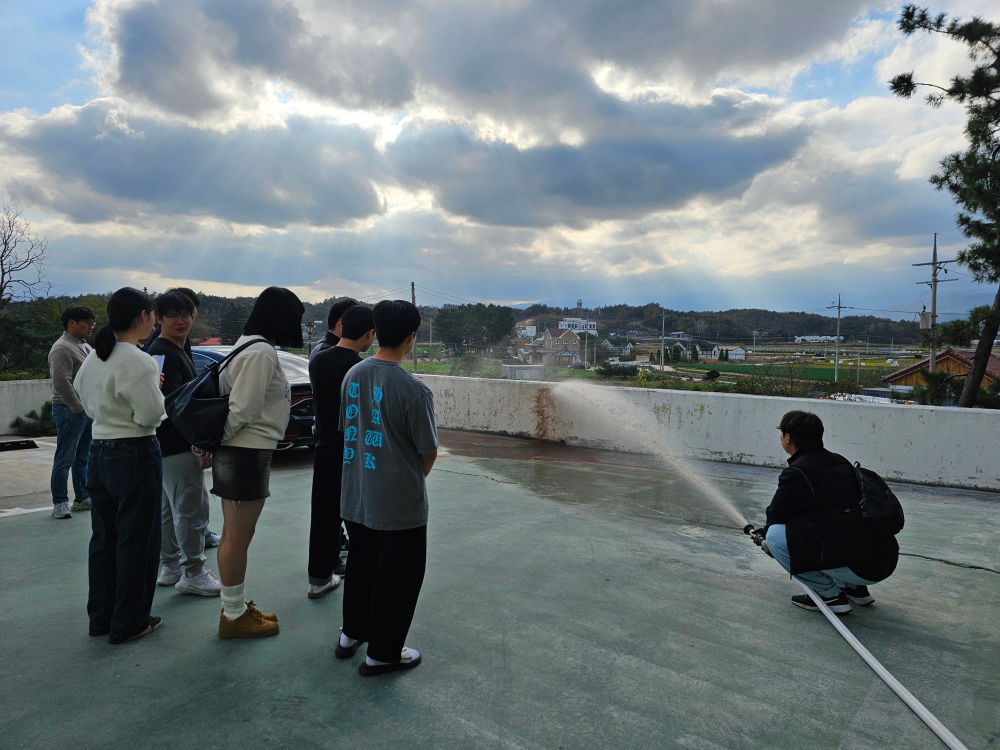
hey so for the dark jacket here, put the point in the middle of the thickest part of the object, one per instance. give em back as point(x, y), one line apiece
point(327, 342)
point(178, 369)
point(817, 500)
point(326, 374)
point(155, 334)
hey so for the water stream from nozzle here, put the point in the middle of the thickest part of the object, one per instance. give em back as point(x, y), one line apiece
point(642, 433)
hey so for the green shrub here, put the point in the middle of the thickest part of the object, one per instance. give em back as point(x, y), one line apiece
point(712, 375)
point(35, 424)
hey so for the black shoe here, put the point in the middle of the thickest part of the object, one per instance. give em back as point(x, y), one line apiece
point(347, 652)
point(367, 670)
point(838, 604)
point(859, 595)
point(154, 624)
point(340, 569)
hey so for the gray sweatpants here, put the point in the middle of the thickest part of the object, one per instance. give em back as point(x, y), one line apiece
point(185, 514)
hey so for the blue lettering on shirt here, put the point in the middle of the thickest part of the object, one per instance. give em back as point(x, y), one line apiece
point(377, 395)
point(352, 411)
point(353, 390)
point(348, 454)
point(350, 434)
point(376, 416)
point(373, 438)
point(369, 461)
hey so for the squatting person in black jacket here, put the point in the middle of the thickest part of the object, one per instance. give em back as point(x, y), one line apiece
point(814, 527)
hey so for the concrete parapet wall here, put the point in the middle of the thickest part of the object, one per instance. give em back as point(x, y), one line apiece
point(921, 444)
point(18, 397)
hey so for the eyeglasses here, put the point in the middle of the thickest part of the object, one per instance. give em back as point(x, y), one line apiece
point(183, 316)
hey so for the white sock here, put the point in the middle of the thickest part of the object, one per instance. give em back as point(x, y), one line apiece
point(347, 642)
point(233, 605)
point(406, 655)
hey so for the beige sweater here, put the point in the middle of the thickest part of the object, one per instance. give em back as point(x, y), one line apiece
point(121, 395)
point(259, 397)
point(65, 358)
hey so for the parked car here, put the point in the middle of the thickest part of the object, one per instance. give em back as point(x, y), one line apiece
point(299, 432)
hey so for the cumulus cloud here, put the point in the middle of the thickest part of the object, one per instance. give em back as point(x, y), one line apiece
point(507, 148)
point(99, 165)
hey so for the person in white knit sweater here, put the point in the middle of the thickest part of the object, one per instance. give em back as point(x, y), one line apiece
point(259, 405)
point(119, 386)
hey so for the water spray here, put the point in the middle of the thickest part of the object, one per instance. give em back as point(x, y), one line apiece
point(625, 405)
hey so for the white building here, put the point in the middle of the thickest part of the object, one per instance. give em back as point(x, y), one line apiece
point(818, 339)
point(737, 353)
point(578, 324)
point(528, 329)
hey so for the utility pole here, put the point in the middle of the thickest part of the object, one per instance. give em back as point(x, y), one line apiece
point(413, 299)
point(935, 265)
point(836, 366)
point(663, 334)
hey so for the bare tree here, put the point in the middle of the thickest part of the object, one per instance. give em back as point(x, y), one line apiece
point(22, 258)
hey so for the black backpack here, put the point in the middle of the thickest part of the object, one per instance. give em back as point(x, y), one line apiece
point(879, 506)
point(198, 410)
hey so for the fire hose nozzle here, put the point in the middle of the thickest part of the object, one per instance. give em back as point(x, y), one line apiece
point(748, 529)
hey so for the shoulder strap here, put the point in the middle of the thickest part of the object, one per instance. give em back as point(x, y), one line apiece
point(806, 477)
point(229, 357)
point(862, 500)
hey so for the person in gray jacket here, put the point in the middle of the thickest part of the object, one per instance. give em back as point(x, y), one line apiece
point(72, 423)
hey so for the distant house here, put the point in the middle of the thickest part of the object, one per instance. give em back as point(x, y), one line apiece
point(713, 353)
point(679, 335)
point(527, 329)
point(737, 352)
point(953, 361)
point(578, 324)
point(559, 347)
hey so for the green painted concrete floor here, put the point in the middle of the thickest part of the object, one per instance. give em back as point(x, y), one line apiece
point(564, 607)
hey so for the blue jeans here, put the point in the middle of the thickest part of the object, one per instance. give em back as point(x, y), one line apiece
point(125, 483)
point(826, 583)
point(72, 451)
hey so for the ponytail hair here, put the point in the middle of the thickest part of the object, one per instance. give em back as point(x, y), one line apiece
point(124, 307)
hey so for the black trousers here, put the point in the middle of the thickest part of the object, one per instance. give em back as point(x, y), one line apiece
point(380, 595)
point(125, 482)
point(324, 525)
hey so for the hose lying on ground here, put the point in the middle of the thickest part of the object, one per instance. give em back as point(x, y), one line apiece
point(916, 706)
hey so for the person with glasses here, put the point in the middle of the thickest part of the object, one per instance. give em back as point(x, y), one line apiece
point(73, 426)
point(211, 538)
point(184, 506)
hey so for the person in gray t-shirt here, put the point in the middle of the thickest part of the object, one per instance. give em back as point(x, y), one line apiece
point(390, 444)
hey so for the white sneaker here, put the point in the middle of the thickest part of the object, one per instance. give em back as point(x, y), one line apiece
point(315, 592)
point(168, 576)
point(204, 584)
point(61, 510)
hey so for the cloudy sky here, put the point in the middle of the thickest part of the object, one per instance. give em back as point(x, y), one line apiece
point(705, 155)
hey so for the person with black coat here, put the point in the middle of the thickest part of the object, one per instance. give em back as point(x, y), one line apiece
point(814, 527)
point(334, 325)
point(326, 373)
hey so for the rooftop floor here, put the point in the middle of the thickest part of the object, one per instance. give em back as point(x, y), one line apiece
point(566, 605)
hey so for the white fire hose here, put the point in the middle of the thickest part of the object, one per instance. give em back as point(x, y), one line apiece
point(916, 706)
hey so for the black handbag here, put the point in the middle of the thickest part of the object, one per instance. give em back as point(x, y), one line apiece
point(198, 410)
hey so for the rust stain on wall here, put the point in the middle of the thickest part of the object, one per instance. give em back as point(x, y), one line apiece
point(543, 410)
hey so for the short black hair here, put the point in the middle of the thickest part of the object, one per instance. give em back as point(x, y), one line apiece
point(804, 428)
point(189, 293)
point(395, 320)
point(76, 314)
point(277, 316)
point(356, 322)
point(338, 310)
point(175, 302)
